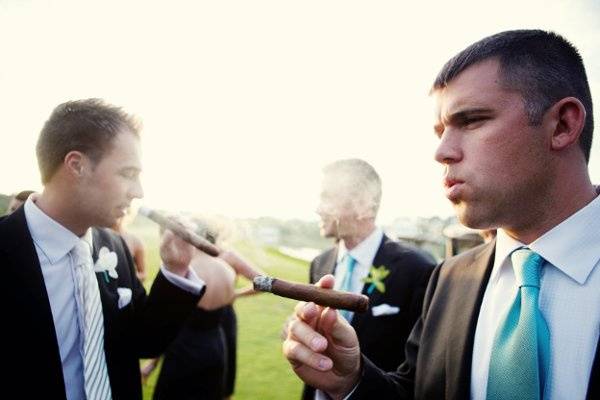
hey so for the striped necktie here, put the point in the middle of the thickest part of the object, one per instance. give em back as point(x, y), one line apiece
point(95, 374)
point(520, 353)
point(347, 283)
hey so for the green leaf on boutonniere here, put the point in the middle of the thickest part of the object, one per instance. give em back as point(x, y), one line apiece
point(376, 277)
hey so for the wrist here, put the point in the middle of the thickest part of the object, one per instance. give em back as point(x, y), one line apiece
point(179, 270)
point(348, 385)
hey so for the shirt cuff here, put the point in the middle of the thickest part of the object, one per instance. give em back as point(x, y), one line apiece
point(191, 283)
point(321, 395)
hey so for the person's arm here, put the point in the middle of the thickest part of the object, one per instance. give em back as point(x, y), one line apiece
point(398, 384)
point(245, 291)
point(241, 266)
point(139, 257)
point(219, 278)
point(154, 320)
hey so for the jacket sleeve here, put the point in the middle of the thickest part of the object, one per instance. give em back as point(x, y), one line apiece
point(158, 316)
point(376, 383)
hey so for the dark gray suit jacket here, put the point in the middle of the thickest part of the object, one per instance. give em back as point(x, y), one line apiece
point(440, 347)
point(143, 328)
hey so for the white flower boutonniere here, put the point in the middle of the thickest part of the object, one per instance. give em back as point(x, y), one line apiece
point(106, 263)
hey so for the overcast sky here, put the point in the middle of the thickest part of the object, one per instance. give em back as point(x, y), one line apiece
point(243, 102)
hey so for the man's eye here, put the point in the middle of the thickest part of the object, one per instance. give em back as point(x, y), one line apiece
point(473, 122)
point(129, 174)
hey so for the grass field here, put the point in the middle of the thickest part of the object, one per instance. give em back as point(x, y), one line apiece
point(263, 372)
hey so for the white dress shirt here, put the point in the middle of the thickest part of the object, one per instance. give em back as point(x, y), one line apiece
point(53, 243)
point(569, 301)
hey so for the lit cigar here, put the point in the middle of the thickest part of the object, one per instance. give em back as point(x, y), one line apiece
point(323, 297)
point(195, 240)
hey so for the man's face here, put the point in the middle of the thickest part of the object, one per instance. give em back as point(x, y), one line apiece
point(109, 186)
point(495, 162)
point(337, 212)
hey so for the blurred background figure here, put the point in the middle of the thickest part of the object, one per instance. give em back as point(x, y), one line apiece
point(201, 362)
point(135, 245)
point(365, 260)
point(17, 200)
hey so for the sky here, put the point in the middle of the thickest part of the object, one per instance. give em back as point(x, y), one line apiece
point(243, 102)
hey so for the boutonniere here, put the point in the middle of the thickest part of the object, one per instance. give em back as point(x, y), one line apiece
point(376, 278)
point(106, 263)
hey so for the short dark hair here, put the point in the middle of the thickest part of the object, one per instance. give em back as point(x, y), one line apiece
point(23, 195)
point(87, 126)
point(542, 66)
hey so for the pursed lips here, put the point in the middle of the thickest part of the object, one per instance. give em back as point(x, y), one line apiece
point(452, 186)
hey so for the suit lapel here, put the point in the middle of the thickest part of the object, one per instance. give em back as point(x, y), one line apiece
point(106, 284)
point(327, 265)
point(24, 266)
point(27, 266)
point(468, 286)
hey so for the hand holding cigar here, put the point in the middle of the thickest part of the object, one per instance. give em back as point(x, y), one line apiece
point(303, 292)
point(233, 259)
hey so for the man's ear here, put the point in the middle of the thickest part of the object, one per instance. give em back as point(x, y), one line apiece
point(75, 163)
point(568, 117)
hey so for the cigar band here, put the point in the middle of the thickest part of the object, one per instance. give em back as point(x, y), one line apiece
point(263, 283)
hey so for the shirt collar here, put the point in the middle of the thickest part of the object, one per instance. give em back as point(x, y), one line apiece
point(364, 253)
point(53, 239)
point(573, 246)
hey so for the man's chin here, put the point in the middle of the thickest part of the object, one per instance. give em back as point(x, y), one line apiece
point(470, 217)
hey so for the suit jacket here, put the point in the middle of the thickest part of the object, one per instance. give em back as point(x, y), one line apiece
point(439, 350)
point(382, 338)
point(143, 328)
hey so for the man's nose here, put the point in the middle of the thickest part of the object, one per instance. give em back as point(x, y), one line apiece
point(137, 191)
point(449, 150)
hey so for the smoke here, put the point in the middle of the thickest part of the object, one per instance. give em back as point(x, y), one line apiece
point(350, 187)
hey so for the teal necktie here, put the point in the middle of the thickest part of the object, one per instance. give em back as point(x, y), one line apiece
point(521, 350)
point(347, 282)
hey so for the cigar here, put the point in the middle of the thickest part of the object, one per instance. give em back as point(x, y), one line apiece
point(184, 233)
point(323, 297)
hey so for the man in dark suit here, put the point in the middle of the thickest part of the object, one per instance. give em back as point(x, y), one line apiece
point(349, 201)
point(76, 318)
point(517, 317)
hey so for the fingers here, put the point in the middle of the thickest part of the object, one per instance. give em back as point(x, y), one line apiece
point(299, 355)
point(303, 346)
point(174, 251)
point(309, 313)
point(302, 332)
point(326, 282)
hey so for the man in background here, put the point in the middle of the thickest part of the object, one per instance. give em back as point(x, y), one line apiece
point(365, 260)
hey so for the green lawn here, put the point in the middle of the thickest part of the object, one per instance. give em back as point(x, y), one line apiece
point(263, 372)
